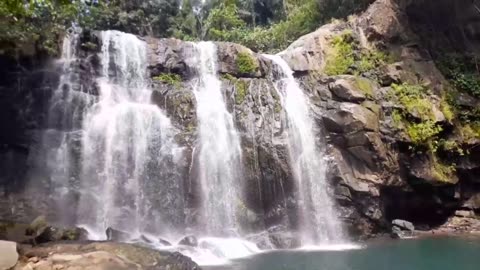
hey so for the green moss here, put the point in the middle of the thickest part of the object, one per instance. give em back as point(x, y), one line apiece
point(341, 56)
point(169, 78)
point(241, 91)
point(229, 77)
point(397, 119)
point(447, 110)
point(365, 86)
point(246, 63)
point(278, 107)
point(346, 56)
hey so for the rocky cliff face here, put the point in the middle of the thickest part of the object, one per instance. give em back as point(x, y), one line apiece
point(381, 164)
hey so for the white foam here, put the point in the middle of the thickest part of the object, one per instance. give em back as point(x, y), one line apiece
point(331, 247)
point(219, 251)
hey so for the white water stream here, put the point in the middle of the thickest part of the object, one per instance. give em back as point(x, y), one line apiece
point(319, 223)
point(219, 153)
point(128, 148)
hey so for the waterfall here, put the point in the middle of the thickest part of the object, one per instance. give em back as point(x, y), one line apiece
point(129, 179)
point(318, 222)
point(219, 154)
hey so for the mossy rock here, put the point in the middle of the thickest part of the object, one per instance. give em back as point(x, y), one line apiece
point(241, 90)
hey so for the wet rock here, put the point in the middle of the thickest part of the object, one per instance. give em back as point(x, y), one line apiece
point(189, 240)
point(347, 90)
point(106, 255)
point(465, 214)
point(228, 54)
point(8, 255)
point(117, 235)
point(350, 117)
point(473, 203)
point(164, 242)
point(402, 229)
point(169, 56)
point(403, 224)
point(53, 234)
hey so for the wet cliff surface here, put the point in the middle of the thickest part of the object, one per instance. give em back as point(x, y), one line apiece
point(383, 164)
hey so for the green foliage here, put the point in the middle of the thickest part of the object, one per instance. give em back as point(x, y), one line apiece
point(169, 78)
point(35, 23)
point(421, 133)
point(221, 20)
point(462, 72)
point(245, 63)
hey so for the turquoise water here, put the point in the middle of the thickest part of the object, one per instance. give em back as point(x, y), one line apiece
point(418, 254)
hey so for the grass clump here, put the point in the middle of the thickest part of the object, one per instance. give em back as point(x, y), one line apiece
point(341, 57)
point(246, 63)
point(169, 78)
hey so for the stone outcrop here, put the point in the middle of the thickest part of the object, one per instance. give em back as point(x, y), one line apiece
point(105, 256)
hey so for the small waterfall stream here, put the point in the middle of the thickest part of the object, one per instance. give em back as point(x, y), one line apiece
point(219, 155)
point(318, 224)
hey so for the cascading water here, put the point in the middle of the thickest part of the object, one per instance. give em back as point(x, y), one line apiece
point(318, 222)
point(219, 152)
point(128, 177)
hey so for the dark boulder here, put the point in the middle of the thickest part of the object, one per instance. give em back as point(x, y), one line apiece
point(189, 240)
point(117, 235)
